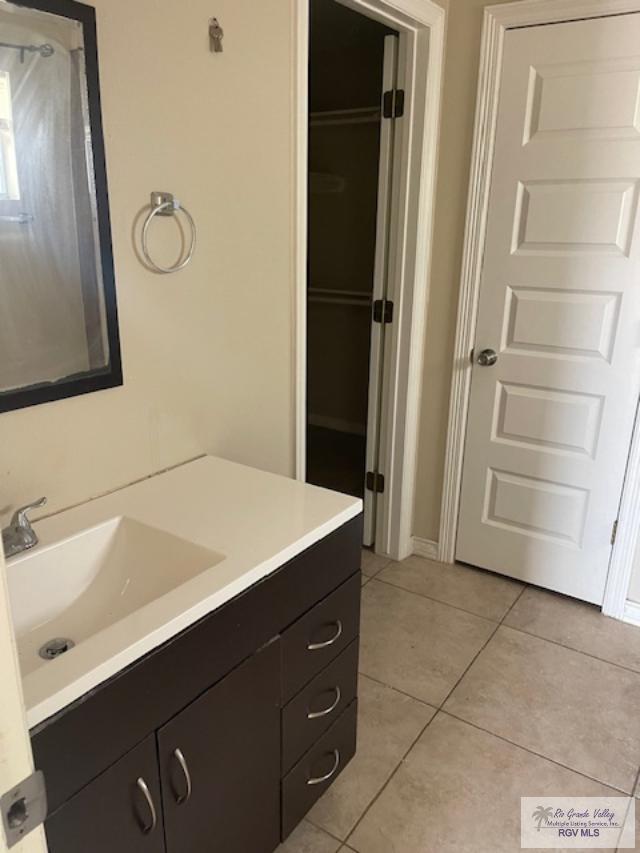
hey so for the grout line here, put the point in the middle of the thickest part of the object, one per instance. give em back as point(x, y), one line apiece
point(635, 785)
point(390, 777)
point(501, 737)
point(420, 734)
point(431, 705)
point(479, 652)
point(375, 574)
point(440, 708)
point(516, 600)
point(322, 829)
point(502, 621)
point(533, 752)
point(438, 601)
point(572, 649)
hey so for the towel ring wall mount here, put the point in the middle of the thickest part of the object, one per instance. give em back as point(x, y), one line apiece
point(165, 204)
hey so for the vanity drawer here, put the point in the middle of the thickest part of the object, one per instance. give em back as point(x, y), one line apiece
point(318, 769)
point(319, 636)
point(309, 714)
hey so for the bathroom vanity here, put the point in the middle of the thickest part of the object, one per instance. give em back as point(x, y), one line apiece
point(220, 733)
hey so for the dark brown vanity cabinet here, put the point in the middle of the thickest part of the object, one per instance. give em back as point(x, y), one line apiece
point(187, 788)
point(220, 764)
point(117, 811)
point(223, 738)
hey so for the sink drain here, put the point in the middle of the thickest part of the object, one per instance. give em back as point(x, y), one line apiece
point(56, 647)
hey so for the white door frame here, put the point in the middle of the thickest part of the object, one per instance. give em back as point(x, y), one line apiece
point(421, 24)
point(497, 20)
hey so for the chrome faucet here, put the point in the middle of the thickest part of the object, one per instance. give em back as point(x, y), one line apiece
point(19, 536)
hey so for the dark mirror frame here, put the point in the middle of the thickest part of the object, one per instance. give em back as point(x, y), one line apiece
point(111, 375)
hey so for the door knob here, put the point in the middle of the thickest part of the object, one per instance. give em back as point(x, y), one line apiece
point(487, 358)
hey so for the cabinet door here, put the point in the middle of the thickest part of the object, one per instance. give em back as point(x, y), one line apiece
point(220, 764)
point(120, 810)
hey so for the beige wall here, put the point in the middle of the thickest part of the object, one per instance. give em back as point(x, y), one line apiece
point(458, 111)
point(208, 352)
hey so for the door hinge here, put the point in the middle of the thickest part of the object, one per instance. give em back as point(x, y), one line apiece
point(383, 311)
point(24, 807)
point(375, 482)
point(393, 103)
point(614, 532)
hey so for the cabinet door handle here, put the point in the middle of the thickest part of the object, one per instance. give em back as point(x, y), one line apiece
point(313, 715)
point(143, 787)
point(182, 798)
point(318, 780)
point(315, 646)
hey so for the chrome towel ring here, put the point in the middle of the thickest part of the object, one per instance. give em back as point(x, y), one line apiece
point(164, 204)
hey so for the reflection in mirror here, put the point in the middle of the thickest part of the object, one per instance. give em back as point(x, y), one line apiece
point(58, 328)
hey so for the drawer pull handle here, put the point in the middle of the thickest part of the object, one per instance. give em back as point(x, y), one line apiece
point(318, 780)
point(313, 647)
point(313, 715)
point(183, 798)
point(148, 827)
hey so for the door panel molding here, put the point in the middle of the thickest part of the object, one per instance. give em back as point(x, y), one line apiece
point(497, 21)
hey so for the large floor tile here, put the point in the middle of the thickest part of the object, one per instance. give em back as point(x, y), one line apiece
point(388, 723)
point(567, 706)
point(417, 645)
point(306, 838)
point(479, 592)
point(577, 625)
point(458, 791)
point(372, 563)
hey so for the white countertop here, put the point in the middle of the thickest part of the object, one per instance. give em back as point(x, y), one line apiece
point(256, 520)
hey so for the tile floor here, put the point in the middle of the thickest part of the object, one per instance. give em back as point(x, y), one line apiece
point(474, 691)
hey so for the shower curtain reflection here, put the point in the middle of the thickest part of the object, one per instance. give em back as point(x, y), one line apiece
point(52, 318)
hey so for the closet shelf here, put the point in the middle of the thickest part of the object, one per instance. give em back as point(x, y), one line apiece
point(356, 115)
point(339, 297)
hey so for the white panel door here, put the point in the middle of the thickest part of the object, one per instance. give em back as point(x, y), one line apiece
point(550, 422)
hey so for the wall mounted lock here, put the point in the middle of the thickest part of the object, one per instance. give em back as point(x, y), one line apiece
point(24, 807)
point(216, 34)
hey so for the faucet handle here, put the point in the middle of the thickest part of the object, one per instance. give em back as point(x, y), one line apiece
point(19, 518)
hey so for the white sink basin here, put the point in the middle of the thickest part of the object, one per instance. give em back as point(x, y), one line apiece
point(86, 583)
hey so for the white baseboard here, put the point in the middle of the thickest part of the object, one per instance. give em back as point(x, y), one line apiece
point(425, 548)
point(632, 612)
point(337, 424)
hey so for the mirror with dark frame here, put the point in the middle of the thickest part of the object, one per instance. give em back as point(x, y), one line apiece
point(58, 318)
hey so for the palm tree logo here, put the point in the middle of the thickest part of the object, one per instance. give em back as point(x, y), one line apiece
point(542, 814)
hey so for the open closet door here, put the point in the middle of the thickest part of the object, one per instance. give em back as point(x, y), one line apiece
point(389, 78)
